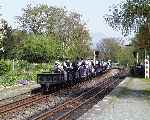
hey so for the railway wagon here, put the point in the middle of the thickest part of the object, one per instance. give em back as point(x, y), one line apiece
point(49, 80)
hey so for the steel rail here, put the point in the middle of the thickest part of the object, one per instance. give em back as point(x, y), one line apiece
point(21, 103)
point(67, 114)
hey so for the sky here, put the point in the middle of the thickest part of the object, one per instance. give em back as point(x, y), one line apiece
point(91, 10)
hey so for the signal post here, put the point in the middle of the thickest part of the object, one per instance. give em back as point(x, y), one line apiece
point(147, 67)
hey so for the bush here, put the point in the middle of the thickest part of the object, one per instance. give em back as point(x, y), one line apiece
point(40, 49)
point(8, 79)
point(4, 67)
point(24, 71)
point(12, 77)
point(43, 67)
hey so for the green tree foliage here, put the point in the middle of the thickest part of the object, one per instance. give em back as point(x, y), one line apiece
point(44, 19)
point(112, 49)
point(79, 46)
point(129, 15)
point(4, 67)
point(125, 56)
point(142, 38)
point(41, 48)
point(66, 26)
point(18, 39)
point(132, 15)
point(40, 18)
point(6, 41)
point(108, 48)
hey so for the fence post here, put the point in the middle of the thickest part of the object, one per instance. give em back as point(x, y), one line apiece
point(13, 67)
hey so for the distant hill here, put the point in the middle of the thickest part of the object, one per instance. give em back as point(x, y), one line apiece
point(96, 37)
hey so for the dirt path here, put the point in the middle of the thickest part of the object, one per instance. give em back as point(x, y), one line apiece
point(16, 90)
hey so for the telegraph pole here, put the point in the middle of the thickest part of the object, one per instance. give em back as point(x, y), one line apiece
point(96, 53)
point(94, 58)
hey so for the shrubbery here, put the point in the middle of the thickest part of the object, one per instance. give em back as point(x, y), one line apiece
point(23, 70)
point(4, 67)
point(41, 49)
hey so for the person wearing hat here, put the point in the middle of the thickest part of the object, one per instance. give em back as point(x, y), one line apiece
point(58, 67)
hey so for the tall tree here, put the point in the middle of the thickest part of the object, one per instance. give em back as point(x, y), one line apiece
point(112, 49)
point(64, 25)
point(80, 45)
point(132, 15)
point(40, 18)
point(108, 48)
point(6, 41)
point(18, 38)
point(129, 15)
point(142, 38)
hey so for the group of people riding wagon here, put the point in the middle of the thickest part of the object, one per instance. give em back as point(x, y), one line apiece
point(81, 68)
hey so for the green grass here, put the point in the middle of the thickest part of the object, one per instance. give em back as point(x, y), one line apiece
point(147, 80)
point(23, 71)
point(146, 91)
point(114, 98)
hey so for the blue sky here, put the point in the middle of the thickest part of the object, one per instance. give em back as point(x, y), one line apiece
point(92, 11)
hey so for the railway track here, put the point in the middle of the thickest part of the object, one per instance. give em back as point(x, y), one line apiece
point(24, 95)
point(29, 101)
point(64, 110)
point(11, 107)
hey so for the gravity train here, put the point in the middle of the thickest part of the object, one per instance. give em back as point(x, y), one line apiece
point(70, 76)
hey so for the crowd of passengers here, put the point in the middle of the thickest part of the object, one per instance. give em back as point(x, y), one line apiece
point(81, 67)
